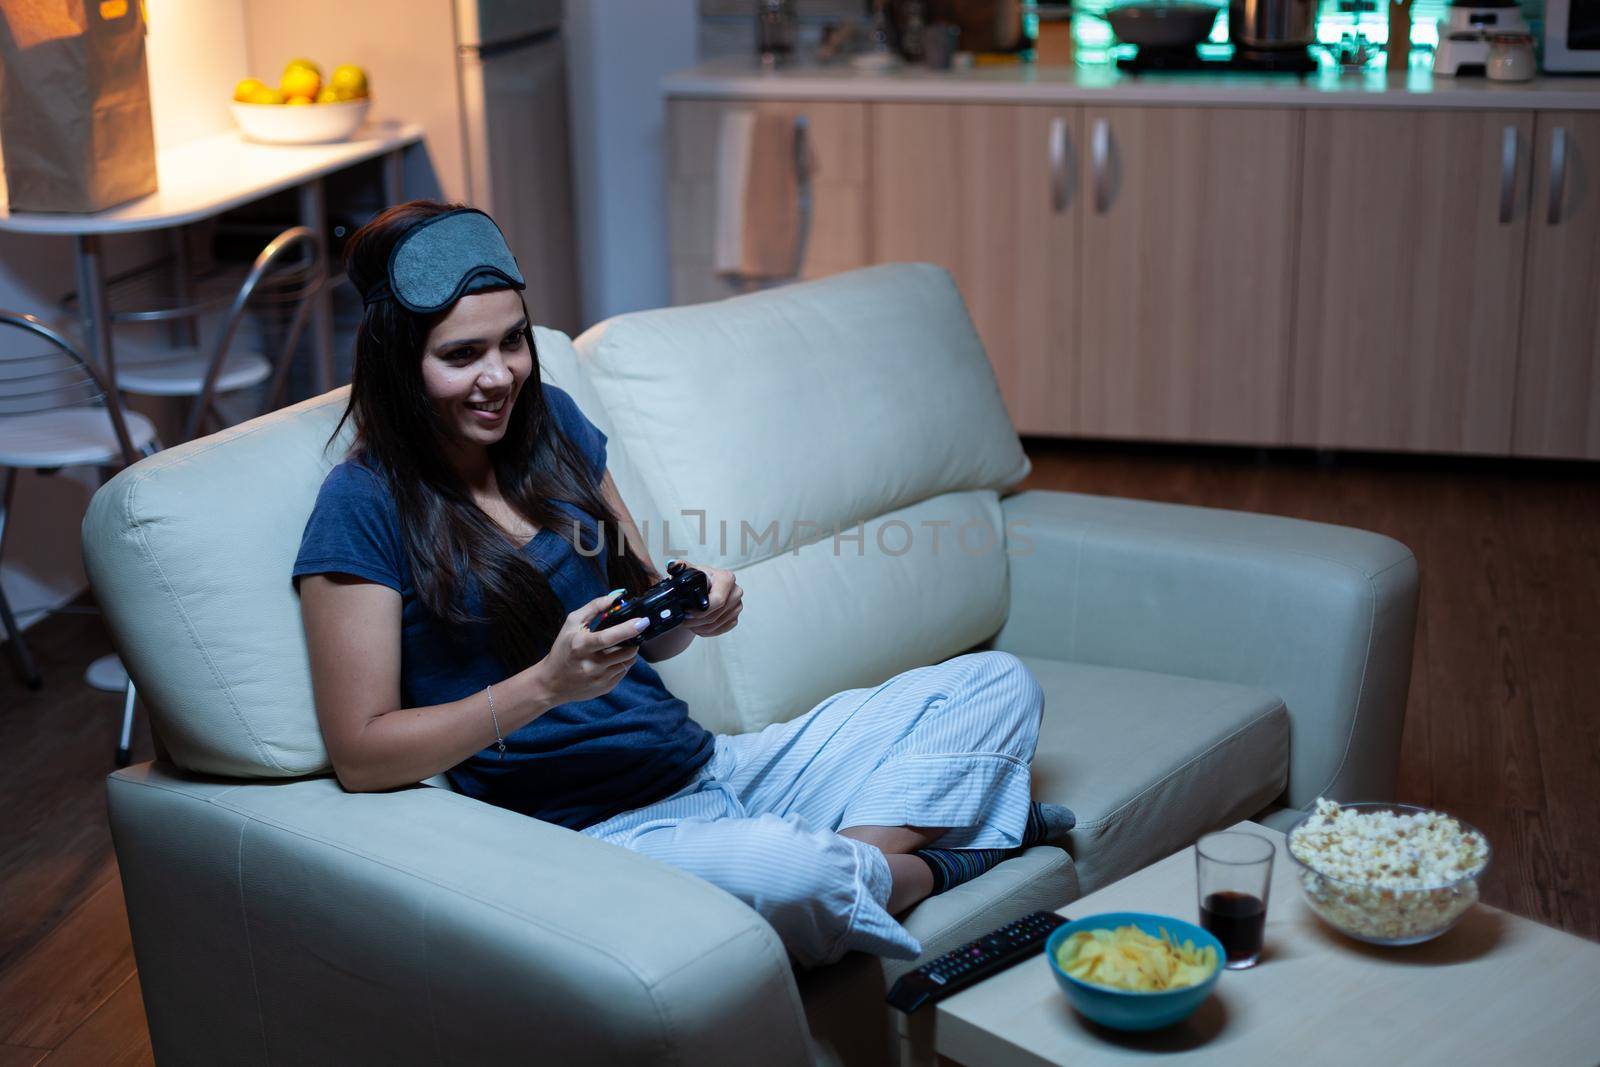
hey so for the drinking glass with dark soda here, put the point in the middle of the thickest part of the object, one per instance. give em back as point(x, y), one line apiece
point(1233, 871)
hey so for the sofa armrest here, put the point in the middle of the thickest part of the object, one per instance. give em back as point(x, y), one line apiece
point(1322, 615)
point(292, 922)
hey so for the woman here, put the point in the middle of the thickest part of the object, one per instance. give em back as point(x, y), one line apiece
point(447, 577)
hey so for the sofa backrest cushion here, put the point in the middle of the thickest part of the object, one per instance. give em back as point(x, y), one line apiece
point(840, 444)
point(189, 552)
point(807, 408)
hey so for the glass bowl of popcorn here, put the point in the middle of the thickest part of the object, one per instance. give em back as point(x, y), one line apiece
point(1387, 874)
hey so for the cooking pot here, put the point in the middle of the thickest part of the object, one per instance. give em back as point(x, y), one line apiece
point(1162, 25)
point(1269, 24)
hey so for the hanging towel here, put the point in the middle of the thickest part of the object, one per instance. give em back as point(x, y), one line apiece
point(758, 196)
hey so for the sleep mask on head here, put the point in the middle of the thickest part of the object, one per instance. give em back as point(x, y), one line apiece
point(441, 260)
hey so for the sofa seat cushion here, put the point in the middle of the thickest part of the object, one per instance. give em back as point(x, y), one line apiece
point(1149, 761)
point(844, 1002)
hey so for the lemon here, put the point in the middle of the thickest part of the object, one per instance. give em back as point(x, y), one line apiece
point(349, 81)
point(300, 81)
point(265, 95)
point(298, 101)
point(247, 88)
point(304, 64)
point(328, 96)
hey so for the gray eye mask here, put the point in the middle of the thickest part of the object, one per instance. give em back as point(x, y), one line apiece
point(437, 262)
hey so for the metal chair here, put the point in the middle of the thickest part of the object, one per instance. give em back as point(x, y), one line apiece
point(56, 410)
point(203, 372)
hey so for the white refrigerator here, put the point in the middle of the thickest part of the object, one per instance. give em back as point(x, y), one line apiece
point(511, 68)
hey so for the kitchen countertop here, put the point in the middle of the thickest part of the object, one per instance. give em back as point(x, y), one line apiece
point(741, 78)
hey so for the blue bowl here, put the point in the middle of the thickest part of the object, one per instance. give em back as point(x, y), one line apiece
point(1124, 1009)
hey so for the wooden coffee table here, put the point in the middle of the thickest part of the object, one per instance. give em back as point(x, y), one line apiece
point(1497, 989)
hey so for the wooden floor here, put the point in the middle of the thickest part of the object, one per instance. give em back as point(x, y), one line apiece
point(1502, 726)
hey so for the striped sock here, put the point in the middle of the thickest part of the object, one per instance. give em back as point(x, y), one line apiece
point(952, 866)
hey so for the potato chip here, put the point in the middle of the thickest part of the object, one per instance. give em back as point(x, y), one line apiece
point(1128, 958)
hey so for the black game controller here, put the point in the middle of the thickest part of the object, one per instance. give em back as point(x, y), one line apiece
point(664, 604)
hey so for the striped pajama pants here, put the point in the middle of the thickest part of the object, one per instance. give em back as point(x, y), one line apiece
point(940, 746)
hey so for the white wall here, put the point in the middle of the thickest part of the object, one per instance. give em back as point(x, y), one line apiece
point(408, 50)
point(617, 52)
point(195, 52)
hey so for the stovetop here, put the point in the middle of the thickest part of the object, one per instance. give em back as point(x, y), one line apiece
point(1297, 61)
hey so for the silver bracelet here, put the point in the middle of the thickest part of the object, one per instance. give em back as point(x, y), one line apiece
point(499, 740)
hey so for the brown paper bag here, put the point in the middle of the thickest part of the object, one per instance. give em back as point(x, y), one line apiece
point(75, 123)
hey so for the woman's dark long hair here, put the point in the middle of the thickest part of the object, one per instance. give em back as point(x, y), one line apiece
point(449, 541)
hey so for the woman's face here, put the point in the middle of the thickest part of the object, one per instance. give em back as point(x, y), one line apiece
point(474, 364)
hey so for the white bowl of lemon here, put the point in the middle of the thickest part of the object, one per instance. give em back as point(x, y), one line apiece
point(302, 109)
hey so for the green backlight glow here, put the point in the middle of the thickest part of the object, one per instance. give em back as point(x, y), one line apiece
point(1096, 46)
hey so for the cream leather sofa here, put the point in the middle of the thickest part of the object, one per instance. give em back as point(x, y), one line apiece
point(1199, 667)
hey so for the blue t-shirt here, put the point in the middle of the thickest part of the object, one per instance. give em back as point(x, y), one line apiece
point(576, 764)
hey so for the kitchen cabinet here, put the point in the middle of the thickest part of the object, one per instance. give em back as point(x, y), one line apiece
point(1318, 263)
point(990, 193)
point(1186, 276)
point(1558, 370)
point(1411, 242)
point(836, 149)
point(1128, 269)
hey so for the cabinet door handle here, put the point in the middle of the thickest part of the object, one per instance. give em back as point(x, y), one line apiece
point(1058, 164)
point(802, 176)
point(1558, 174)
point(1100, 157)
point(1508, 174)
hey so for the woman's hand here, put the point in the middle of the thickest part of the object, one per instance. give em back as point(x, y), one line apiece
point(583, 665)
point(725, 598)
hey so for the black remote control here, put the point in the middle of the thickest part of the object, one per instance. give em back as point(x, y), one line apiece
point(974, 961)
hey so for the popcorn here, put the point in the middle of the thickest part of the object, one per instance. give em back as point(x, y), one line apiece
point(1384, 876)
point(1380, 848)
